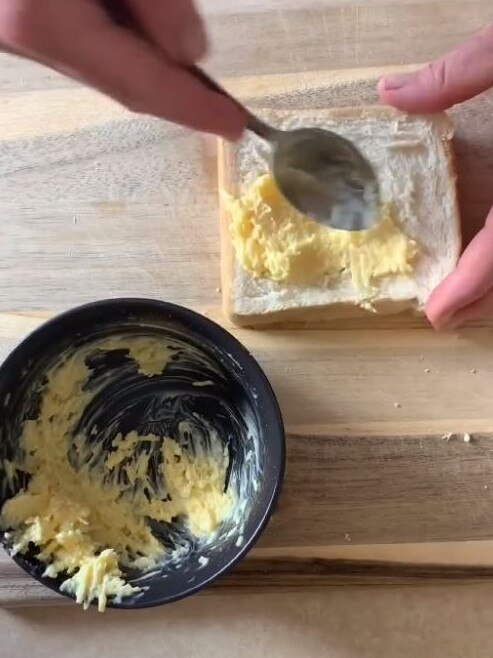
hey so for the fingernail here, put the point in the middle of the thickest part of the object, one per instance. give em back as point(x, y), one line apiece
point(394, 82)
point(194, 43)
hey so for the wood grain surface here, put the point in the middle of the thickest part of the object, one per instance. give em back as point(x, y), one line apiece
point(96, 202)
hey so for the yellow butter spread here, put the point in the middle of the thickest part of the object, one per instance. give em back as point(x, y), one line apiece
point(87, 508)
point(273, 240)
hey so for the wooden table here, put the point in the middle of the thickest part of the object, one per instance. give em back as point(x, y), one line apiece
point(96, 202)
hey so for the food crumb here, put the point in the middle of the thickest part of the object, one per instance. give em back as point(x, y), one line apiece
point(397, 405)
point(473, 371)
point(448, 436)
point(486, 487)
point(347, 537)
point(218, 290)
point(467, 438)
point(427, 370)
point(422, 357)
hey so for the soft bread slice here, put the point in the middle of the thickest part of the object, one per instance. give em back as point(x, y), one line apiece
point(414, 160)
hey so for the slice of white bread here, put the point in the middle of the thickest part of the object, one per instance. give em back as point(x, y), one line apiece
point(414, 161)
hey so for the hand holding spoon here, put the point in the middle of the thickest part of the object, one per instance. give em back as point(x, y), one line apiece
point(322, 174)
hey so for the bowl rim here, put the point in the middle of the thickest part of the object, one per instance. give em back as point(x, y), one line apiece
point(197, 323)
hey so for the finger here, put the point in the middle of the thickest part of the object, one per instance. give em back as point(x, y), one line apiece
point(124, 66)
point(471, 281)
point(456, 77)
point(174, 25)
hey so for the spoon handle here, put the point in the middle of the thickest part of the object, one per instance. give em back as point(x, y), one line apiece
point(254, 123)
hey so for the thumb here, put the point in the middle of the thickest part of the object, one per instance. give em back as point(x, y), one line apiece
point(456, 77)
point(468, 284)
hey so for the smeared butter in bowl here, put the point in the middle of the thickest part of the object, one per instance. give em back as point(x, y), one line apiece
point(87, 505)
point(273, 240)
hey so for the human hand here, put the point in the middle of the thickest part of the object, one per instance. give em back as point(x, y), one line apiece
point(145, 71)
point(467, 293)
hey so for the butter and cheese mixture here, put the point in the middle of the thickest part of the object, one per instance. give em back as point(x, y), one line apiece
point(86, 507)
point(273, 240)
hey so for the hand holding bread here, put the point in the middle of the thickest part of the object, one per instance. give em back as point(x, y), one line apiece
point(467, 293)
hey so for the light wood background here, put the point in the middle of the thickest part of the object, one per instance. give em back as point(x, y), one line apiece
point(95, 202)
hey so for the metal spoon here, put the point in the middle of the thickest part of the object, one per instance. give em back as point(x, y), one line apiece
point(320, 173)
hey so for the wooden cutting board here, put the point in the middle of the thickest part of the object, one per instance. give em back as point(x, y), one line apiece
point(102, 203)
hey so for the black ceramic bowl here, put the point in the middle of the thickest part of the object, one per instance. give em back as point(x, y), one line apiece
point(239, 403)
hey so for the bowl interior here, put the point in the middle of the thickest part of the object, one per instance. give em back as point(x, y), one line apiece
point(210, 383)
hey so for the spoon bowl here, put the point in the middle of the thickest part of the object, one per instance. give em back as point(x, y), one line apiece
point(321, 173)
point(325, 177)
